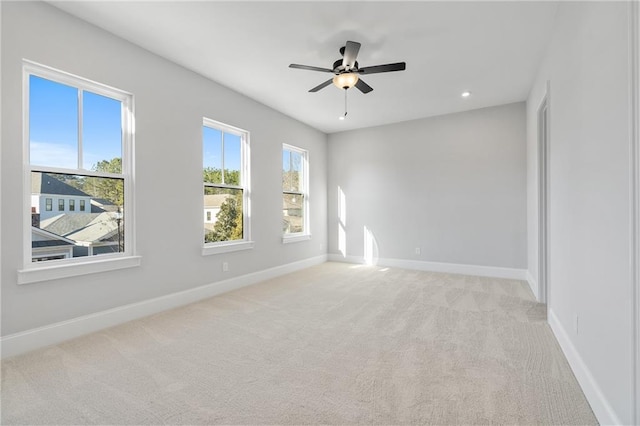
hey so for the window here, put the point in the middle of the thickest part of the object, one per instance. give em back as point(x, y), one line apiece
point(49, 204)
point(78, 144)
point(295, 194)
point(226, 187)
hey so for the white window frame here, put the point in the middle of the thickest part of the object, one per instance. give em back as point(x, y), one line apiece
point(245, 243)
point(306, 233)
point(63, 268)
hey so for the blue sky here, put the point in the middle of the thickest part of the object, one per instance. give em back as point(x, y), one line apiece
point(53, 125)
point(291, 161)
point(212, 149)
point(53, 129)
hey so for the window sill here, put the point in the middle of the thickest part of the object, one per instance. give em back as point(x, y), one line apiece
point(296, 238)
point(208, 250)
point(67, 270)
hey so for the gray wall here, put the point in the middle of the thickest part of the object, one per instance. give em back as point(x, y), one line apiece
point(587, 66)
point(453, 185)
point(170, 103)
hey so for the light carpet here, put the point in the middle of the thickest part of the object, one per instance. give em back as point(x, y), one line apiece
point(332, 344)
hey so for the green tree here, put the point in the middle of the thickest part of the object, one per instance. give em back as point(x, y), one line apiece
point(228, 224)
point(107, 188)
point(214, 175)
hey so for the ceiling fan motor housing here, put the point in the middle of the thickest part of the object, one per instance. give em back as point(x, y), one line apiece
point(338, 68)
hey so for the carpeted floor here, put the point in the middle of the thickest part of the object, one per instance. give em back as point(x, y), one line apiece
point(333, 344)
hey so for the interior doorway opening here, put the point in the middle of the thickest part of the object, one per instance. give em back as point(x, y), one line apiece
point(543, 199)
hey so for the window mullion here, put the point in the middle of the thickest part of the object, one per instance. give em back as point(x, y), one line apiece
point(80, 120)
point(222, 158)
point(290, 170)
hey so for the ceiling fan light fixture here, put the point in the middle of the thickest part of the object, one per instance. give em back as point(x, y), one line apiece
point(346, 80)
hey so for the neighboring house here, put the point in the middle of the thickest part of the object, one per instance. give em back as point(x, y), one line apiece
point(68, 222)
point(212, 204)
point(51, 197)
point(292, 219)
point(46, 245)
point(92, 233)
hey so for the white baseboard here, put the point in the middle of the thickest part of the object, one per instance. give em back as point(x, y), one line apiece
point(452, 268)
point(25, 341)
point(599, 403)
point(533, 285)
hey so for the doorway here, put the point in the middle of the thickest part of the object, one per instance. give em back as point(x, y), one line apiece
point(543, 199)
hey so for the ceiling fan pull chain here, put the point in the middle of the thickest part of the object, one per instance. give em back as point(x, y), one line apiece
point(345, 102)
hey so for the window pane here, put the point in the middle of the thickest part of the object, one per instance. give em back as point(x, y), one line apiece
point(291, 171)
point(66, 234)
point(286, 170)
point(222, 214)
point(212, 155)
point(101, 133)
point(232, 156)
point(292, 213)
point(53, 123)
point(296, 171)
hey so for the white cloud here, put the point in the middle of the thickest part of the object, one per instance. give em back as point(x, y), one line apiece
point(53, 155)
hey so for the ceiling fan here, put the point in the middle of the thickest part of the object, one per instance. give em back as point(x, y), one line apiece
point(347, 71)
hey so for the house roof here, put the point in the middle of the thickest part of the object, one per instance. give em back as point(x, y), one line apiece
point(101, 205)
point(44, 183)
point(83, 227)
point(103, 227)
point(215, 200)
point(52, 239)
point(64, 224)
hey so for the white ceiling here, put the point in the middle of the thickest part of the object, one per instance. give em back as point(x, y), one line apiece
point(489, 48)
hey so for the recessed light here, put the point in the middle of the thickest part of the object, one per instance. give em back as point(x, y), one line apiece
point(341, 117)
point(466, 94)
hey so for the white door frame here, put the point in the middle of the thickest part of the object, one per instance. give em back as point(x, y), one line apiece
point(634, 56)
point(543, 118)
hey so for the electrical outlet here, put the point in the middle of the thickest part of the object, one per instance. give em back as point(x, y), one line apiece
point(225, 266)
point(417, 250)
point(576, 323)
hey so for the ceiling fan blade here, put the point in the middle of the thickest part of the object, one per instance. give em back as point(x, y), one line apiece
point(398, 66)
point(351, 50)
point(363, 87)
point(310, 68)
point(322, 85)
